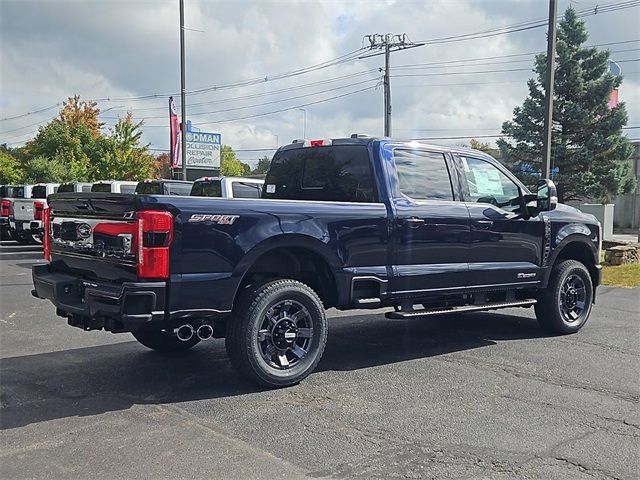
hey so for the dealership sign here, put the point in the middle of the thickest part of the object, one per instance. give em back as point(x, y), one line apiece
point(203, 149)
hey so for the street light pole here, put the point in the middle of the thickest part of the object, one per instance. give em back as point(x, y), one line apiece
point(183, 96)
point(304, 123)
point(548, 99)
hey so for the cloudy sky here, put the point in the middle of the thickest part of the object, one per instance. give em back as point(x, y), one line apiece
point(248, 65)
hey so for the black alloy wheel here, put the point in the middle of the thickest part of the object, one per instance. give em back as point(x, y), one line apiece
point(277, 332)
point(564, 306)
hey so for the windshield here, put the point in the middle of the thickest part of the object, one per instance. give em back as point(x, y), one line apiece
point(207, 188)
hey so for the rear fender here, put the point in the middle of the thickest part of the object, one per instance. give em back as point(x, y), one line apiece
point(291, 241)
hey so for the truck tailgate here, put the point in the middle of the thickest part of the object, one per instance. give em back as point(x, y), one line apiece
point(94, 235)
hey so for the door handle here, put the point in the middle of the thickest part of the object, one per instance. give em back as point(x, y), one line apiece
point(413, 222)
point(483, 224)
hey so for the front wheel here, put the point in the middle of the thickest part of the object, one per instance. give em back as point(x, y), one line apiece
point(565, 304)
point(156, 339)
point(278, 333)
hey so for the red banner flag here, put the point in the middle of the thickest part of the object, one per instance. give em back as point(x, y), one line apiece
point(175, 141)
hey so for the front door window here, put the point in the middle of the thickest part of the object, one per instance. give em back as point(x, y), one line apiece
point(485, 183)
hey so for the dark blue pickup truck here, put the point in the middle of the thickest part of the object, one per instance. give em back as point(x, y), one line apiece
point(345, 223)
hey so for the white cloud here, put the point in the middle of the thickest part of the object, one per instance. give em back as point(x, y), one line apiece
point(54, 49)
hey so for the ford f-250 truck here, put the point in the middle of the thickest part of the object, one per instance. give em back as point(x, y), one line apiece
point(346, 223)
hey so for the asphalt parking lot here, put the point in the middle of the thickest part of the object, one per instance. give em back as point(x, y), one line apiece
point(484, 395)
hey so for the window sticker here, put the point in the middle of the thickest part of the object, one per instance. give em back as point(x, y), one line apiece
point(487, 182)
point(271, 188)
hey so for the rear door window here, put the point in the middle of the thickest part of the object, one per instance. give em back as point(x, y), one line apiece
point(246, 190)
point(423, 175)
point(334, 173)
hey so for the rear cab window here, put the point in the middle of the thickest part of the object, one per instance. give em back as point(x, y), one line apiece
point(39, 191)
point(340, 173)
point(101, 187)
point(149, 188)
point(66, 188)
point(207, 188)
point(178, 188)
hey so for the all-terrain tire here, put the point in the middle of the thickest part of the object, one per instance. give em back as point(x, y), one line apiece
point(268, 344)
point(569, 285)
point(155, 339)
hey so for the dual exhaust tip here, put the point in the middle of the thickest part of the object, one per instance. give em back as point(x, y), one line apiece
point(186, 332)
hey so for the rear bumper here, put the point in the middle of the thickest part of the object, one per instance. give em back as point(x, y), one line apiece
point(27, 226)
point(94, 305)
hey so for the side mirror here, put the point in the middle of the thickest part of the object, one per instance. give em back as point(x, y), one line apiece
point(547, 195)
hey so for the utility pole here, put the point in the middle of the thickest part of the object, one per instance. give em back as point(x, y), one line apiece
point(548, 99)
point(388, 43)
point(387, 92)
point(183, 97)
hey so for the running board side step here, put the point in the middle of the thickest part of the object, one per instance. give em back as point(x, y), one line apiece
point(462, 308)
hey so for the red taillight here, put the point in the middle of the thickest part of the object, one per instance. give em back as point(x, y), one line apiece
point(38, 208)
point(46, 239)
point(155, 233)
point(5, 208)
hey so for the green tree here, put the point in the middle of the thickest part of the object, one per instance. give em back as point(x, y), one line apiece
point(11, 171)
point(40, 169)
point(230, 166)
point(588, 147)
point(263, 166)
point(125, 157)
point(74, 145)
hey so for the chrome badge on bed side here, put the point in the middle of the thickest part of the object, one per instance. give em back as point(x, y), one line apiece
point(218, 219)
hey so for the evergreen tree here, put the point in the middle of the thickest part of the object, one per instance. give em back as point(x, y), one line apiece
point(588, 147)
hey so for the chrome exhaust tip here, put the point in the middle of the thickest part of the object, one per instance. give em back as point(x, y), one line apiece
point(204, 332)
point(184, 332)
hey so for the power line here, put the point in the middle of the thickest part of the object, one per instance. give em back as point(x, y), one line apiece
point(39, 110)
point(530, 24)
point(266, 103)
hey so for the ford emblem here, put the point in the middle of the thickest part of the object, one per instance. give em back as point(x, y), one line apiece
point(84, 230)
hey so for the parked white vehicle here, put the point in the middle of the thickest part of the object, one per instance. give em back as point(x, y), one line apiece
point(25, 218)
point(227, 187)
point(114, 186)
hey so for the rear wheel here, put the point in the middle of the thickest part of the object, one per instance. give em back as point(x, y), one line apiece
point(156, 339)
point(565, 304)
point(278, 333)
